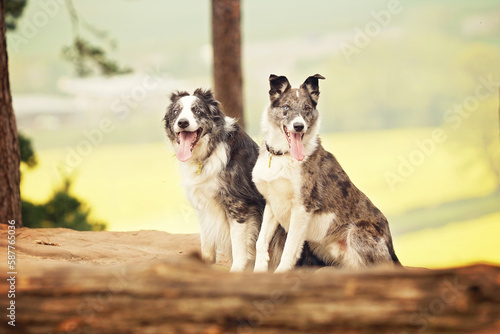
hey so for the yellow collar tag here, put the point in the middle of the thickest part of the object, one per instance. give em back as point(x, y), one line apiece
point(199, 168)
point(271, 153)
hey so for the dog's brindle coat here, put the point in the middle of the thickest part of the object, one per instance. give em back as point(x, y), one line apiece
point(217, 160)
point(308, 192)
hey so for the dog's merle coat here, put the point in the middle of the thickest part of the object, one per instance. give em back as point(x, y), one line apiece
point(308, 193)
point(217, 159)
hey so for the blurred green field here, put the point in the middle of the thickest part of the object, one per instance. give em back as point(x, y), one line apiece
point(455, 244)
point(136, 187)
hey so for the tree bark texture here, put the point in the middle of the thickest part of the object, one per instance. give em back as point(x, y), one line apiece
point(190, 297)
point(10, 197)
point(226, 42)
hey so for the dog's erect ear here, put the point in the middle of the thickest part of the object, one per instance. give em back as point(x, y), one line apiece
point(208, 97)
point(279, 85)
point(312, 86)
point(177, 95)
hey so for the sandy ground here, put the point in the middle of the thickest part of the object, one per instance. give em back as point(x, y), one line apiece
point(35, 247)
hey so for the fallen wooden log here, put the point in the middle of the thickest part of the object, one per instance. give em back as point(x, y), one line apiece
point(188, 296)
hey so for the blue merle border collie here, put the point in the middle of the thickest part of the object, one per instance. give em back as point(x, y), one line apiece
point(308, 193)
point(217, 158)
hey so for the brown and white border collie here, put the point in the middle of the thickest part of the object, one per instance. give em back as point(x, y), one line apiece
point(308, 193)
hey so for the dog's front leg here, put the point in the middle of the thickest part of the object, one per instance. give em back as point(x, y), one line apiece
point(238, 245)
point(207, 249)
point(297, 231)
point(269, 225)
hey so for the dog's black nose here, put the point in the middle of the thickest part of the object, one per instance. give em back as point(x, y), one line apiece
point(298, 126)
point(183, 123)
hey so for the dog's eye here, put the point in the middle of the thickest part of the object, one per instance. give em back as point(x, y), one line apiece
point(196, 110)
point(286, 107)
point(176, 111)
point(307, 108)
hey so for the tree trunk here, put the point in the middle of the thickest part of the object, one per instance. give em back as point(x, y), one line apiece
point(187, 296)
point(226, 42)
point(10, 197)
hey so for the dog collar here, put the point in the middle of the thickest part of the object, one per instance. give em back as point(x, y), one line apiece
point(273, 152)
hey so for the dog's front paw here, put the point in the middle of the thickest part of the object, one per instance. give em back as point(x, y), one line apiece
point(208, 255)
point(261, 266)
point(237, 267)
point(282, 269)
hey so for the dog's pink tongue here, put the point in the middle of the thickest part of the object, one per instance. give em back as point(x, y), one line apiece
point(297, 149)
point(184, 149)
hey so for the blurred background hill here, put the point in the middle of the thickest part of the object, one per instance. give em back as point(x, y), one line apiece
point(410, 108)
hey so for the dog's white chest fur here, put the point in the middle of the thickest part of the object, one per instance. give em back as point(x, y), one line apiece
point(275, 181)
point(202, 187)
point(280, 184)
point(201, 190)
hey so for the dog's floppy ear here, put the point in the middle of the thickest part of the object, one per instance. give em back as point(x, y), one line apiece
point(177, 95)
point(279, 85)
point(208, 97)
point(312, 86)
point(205, 94)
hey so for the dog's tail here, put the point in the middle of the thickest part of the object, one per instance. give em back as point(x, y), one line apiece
point(307, 257)
point(394, 257)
